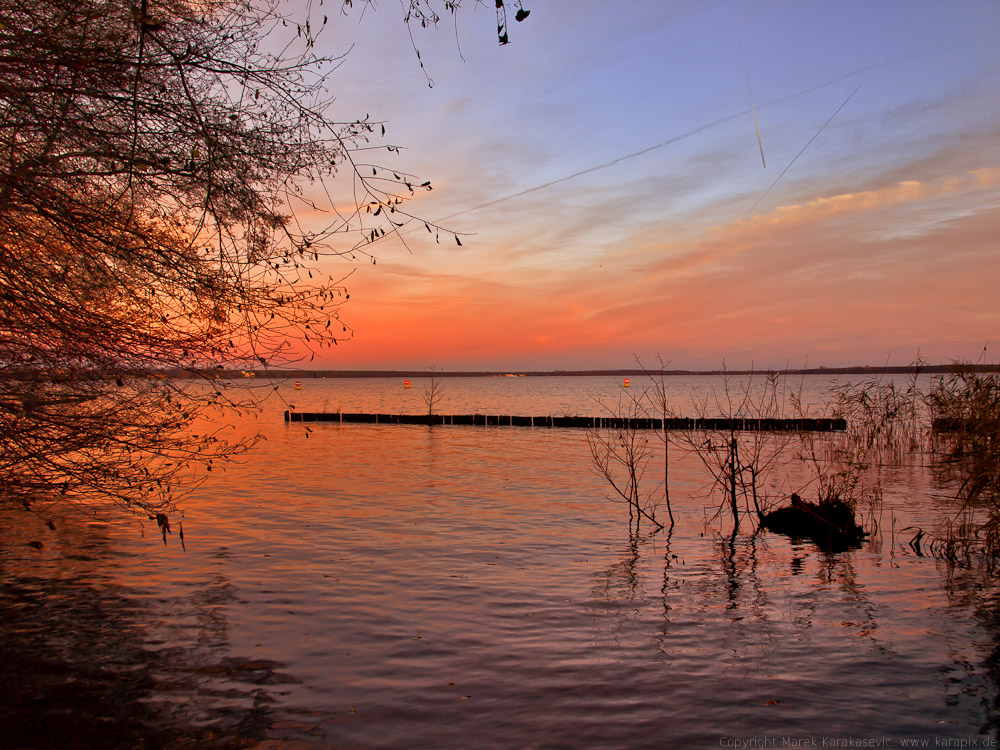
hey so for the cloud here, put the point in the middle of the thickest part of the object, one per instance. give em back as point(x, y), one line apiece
point(861, 202)
point(986, 177)
point(813, 279)
point(882, 236)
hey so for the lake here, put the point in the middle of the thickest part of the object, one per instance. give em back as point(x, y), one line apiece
point(404, 586)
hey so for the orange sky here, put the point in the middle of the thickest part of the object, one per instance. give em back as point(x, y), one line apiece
point(871, 234)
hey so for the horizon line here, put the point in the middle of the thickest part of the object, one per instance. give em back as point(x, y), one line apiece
point(631, 371)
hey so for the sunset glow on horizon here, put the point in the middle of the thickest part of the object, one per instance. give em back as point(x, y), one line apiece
point(605, 176)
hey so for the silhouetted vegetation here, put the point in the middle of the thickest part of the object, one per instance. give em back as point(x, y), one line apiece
point(153, 159)
point(749, 462)
point(620, 453)
point(433, 390)
point(965, 417)
point(740, 457)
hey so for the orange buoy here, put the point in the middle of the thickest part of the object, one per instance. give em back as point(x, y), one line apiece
point(406, 383)
point(627, 384)
point(298, 385)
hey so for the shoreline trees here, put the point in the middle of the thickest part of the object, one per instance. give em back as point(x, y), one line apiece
point(153, 159)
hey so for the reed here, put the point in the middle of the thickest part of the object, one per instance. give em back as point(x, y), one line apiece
point(965, 410)
point(886, 423)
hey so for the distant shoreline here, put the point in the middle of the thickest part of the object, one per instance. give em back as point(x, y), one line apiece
point(633, 372)
point(292, 374)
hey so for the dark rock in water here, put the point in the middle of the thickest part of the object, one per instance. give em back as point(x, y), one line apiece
point(829, 524)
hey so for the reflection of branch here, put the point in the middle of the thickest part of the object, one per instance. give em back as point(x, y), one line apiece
point(624, 575)
point(668, 560)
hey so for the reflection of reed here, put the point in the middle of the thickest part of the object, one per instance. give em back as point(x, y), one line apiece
point(975, 589)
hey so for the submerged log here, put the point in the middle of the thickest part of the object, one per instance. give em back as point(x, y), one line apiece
point(830, 524)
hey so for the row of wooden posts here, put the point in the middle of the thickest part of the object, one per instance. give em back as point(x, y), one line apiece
point(639, 423)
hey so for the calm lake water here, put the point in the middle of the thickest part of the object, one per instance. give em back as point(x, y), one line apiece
point(380, 586)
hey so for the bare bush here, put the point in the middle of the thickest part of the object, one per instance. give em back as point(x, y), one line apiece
point(621, 453)
point(433, 391)
point(743, 456)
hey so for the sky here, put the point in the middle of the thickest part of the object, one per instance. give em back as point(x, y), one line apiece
point(764, 183)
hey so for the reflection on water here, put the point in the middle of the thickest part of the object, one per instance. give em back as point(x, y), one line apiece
point(407, 587)
point(86, 662)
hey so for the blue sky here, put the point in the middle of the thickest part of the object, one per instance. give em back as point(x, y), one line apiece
point(870, 234)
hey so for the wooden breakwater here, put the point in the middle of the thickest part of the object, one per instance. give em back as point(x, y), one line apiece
point(641, 423)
